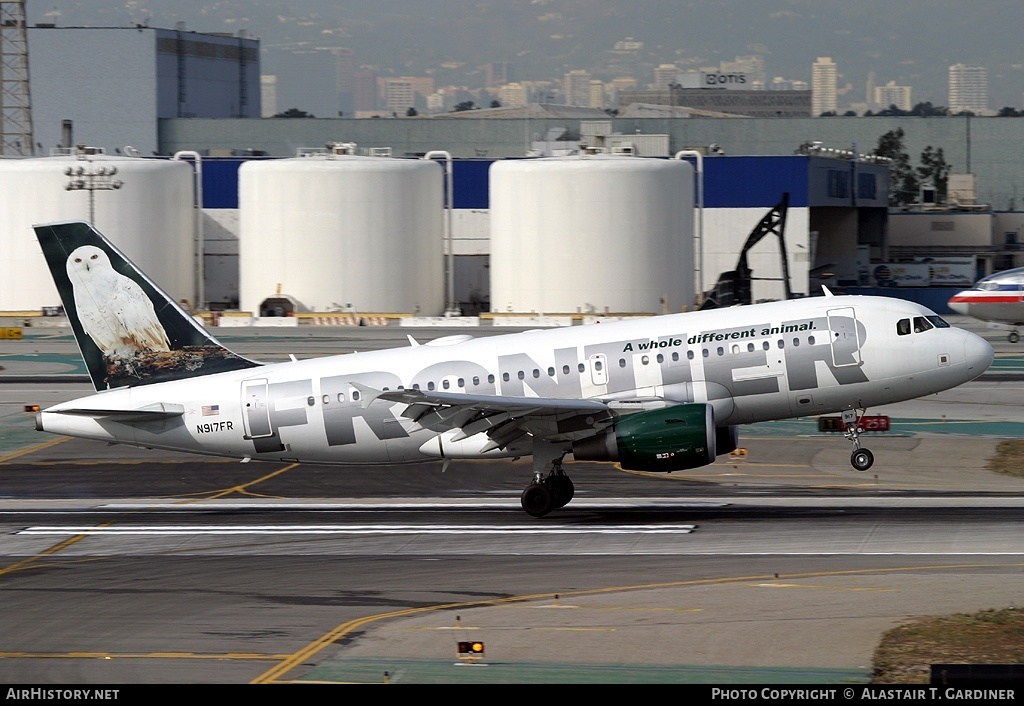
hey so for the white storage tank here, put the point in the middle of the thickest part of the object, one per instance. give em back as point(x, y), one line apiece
point(342, 232)
point(594, 233)
point(149, 217)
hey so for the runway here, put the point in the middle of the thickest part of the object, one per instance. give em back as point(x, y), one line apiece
point(120, 566)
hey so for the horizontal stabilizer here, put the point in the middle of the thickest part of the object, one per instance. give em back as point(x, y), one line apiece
point(149, 413)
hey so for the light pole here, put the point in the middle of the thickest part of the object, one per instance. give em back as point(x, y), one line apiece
point(700, 220)
point(82, 178)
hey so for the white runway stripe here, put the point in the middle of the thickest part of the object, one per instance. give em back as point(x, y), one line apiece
point(465, 530)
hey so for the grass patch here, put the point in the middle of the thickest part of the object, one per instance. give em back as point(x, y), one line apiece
point(1009, 459)
point(905, 654)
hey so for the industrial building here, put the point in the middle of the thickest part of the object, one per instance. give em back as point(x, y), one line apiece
point(114, 84)
point(333, 231)
point(154, 135)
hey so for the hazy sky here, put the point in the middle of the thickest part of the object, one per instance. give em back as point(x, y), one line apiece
point(911, 42)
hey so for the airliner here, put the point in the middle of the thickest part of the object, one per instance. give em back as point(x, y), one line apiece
point(659, 394)
point(998, 298)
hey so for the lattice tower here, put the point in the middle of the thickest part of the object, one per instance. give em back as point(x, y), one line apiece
point(15, 103)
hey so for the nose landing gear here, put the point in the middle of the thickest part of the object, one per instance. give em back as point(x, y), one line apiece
point(861, 459)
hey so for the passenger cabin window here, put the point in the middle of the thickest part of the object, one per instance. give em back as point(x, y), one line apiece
point(903, 327)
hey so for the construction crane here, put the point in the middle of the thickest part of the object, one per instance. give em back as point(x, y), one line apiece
point(16, 137)
point(733, 287)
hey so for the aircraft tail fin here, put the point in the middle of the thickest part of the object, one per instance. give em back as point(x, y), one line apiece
point(129, 331)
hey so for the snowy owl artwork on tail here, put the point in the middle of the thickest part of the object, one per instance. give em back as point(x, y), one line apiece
point(113, 309)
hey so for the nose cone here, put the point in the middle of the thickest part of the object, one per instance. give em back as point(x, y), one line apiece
point(979, 354)
point(958, 305)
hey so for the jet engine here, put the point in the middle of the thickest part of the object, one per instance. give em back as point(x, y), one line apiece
point(668, 439)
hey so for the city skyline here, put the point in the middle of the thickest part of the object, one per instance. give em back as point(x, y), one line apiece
point(454, 41)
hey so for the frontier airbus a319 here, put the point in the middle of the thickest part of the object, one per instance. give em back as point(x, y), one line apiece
point(661, 393)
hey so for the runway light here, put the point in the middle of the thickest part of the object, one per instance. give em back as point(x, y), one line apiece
point(471, 649)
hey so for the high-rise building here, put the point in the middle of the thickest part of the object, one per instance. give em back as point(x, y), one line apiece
point(497, 73)
point(400, 93)
point(752, 66)
point(576, 88)
point(268, 96)
point(892, 95)
point(664, 75)
point(968, 89)
point(345, 80)
point(823, 86)
point(365, 83)
point(513, 95)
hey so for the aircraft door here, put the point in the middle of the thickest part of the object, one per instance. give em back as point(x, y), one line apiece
point(845, 336)
point(255, 409)
point(599, 369)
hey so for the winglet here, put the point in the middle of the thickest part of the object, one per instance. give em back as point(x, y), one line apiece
point(367, 394)
point(129, 331)
point(826, 291)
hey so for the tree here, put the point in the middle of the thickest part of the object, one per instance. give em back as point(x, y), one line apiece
point(891, 110)
point(927, 110)
point(411, 113)
point(464, 105)
point(934, 170)
point(903, 185)
point(495, 103)
point(294, 113)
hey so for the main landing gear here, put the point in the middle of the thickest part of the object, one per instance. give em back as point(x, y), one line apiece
point(861, 459)
point(1013, 336)
point(550, 492)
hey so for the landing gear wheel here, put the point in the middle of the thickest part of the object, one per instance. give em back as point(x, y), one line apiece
point(562, 489)
point(538, 500)
point(1013, 337)
point(862, 459)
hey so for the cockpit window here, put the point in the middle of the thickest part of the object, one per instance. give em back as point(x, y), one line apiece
point(903, 327)
point(938, 321)
point(921, 323)
point(988, 286)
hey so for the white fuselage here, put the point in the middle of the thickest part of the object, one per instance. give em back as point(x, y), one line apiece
point(998, 298)
point(751, 363)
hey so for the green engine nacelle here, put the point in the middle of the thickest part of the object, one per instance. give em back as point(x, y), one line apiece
point(670, 439)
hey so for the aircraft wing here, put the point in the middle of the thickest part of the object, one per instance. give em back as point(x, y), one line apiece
point(504, 419)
